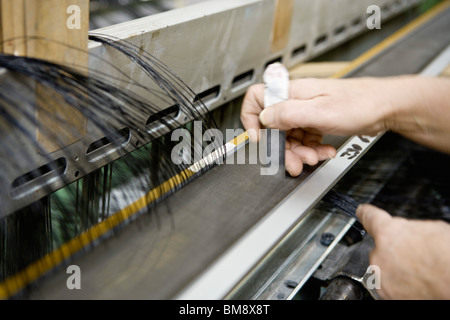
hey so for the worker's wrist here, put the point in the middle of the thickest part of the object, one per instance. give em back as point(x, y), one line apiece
point(418, 110)
point(400, 103)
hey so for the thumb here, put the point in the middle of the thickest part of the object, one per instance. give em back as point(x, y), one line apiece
point(291, 114)
point(372, 218)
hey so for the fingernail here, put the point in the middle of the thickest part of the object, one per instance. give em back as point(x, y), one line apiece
point(332, 154)
point(266, 118)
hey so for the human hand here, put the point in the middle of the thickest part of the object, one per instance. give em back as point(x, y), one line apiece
point(413, 256)
point(315, 108)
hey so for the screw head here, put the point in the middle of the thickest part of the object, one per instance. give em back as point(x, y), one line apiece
point(291, 284)
point(326, 239)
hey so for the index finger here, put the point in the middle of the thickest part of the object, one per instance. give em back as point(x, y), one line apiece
point(252, 106)
point(373, 219)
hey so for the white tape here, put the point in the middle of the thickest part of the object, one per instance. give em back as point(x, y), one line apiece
point(276, 79)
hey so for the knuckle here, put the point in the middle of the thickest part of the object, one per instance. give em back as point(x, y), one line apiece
point(254, 90)
point(250, 94)
point(244, 116)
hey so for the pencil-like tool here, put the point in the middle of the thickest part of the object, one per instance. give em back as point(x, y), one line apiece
point(276, 79)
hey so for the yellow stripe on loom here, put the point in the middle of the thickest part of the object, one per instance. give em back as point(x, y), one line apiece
point(242, 138)
point(14, 284)
point(403, 32)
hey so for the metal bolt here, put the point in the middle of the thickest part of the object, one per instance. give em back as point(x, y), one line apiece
point(291, 284)
point(326, 239)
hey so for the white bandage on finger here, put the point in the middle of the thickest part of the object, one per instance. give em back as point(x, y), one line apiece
point(276, 79)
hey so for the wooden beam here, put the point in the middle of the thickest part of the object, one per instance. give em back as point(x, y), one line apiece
point(317, 69)
point(282, 24)
point(48, 20)
point(12, 27)
point(39, 29)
